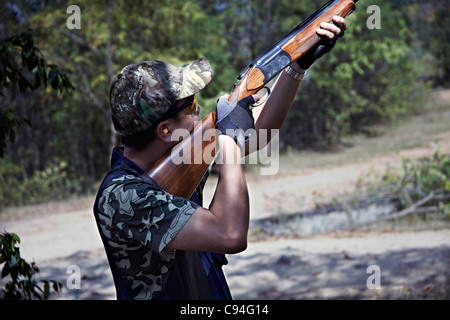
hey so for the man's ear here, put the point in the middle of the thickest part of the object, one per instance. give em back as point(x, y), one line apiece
point(164, 132)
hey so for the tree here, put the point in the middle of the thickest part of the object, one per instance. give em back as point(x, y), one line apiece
point(32, 73)
point(23, 70)
point(439, 44)
point(73, 137)
point(370, 76)
point(428, 23)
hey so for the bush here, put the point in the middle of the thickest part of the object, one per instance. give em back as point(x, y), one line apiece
point(54, 183)
point(422, 185)
point(22, 286)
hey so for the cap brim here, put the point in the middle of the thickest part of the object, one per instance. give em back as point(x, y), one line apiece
point(196, 76)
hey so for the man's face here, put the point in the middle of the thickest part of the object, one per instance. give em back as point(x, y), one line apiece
point(189, 114)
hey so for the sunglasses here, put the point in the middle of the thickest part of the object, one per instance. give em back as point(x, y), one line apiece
point(191, 106)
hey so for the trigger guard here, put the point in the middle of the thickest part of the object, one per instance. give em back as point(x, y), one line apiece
point(262, 102)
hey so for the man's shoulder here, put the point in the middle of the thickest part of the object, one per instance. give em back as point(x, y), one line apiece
point(121, 178)
point(134, 209)
point(131, 184)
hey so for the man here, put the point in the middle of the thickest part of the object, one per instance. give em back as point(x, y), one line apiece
point(161, 246)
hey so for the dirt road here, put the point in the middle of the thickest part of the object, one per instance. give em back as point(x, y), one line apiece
point(410, 264)
point(332, 266)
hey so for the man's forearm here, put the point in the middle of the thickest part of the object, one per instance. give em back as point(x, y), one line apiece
point(273, 112)
point(231, 200)
point(223, 227)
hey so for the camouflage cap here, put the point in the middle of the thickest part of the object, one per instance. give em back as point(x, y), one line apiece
point(142, 93)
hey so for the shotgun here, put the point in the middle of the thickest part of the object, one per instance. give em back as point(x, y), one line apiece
point(197, 151)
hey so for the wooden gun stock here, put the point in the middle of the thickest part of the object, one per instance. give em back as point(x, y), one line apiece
point(288, 49)
point(181, 169)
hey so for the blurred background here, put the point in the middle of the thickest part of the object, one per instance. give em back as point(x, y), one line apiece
point(62, 149)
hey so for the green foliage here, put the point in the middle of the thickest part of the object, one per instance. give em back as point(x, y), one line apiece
point(439, 45)
point(429, 25)
point(371, 76)
point(57, 182)
point(429, 174)
point(33, 72)
point(9, 121)
point(8, 172)
point(22, 286)
point(418, 179)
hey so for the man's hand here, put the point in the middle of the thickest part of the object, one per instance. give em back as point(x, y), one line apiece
point(235, 119)
point(329, 33)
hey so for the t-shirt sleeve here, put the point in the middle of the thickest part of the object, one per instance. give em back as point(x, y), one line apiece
point(133, 209)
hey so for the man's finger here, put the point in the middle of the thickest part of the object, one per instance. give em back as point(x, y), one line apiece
point(340, 22)
point(325, 34)
point(330, 27)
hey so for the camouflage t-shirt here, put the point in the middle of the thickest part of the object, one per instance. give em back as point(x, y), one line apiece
point(137, 220)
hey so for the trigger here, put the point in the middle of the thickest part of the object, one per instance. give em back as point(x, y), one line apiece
point(266, 96)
